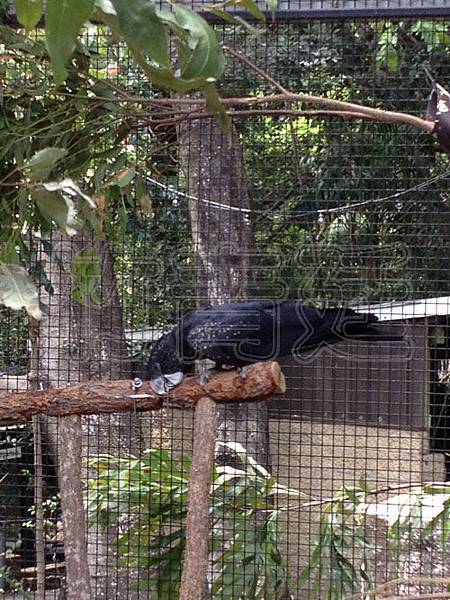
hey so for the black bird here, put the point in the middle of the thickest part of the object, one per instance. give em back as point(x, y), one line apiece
point(236, 335)
point(438, 111)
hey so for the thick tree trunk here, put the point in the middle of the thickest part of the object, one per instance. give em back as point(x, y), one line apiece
point(64, 437)
point(80, 343)
point(223, 244)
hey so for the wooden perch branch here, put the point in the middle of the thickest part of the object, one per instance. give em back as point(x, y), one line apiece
point(95, 397)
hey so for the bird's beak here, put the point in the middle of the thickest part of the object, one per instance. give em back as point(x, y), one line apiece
point(173, 379)
point(163, 383)
point(158, 385)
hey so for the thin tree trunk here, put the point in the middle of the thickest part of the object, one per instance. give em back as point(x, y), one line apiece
point(223, 244)
point(64, 436)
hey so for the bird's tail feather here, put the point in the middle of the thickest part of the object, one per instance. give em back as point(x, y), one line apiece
point(376, 333)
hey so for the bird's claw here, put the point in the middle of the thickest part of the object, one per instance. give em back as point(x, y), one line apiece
point(243, 371)
point(204, 376)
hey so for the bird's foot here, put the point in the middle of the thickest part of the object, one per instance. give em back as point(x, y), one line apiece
point(204, 376)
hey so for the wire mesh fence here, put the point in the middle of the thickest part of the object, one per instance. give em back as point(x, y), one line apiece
point(335, 490)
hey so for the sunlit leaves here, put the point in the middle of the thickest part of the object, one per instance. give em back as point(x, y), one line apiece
point(63, 20)
point(68, 186)
point(28, 12)
point(145, 30)
point(334, 572)
point(18, 291)
point(331, 569)
point(422, 33)
point(41, 164)
point(432, 32)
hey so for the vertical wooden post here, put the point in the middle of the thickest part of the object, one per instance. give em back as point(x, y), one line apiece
point(39, 509)
point(74, 523)
point(195, 566)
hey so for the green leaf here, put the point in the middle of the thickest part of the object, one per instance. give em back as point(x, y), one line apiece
point(123, 177)
point(142, 29)
point(233, 19)
point(40, 164)
point(17, 290)
point(105, 13)
point(59, 209)
point(9, 252)
point(307, 572)
point(215, 106)
point(63, 21)
point(446, 528)
point(85, 276)
point(207, 58)
point(28, 12)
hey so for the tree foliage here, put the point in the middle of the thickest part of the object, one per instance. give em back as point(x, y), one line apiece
point(64, 163)
point(148, 497)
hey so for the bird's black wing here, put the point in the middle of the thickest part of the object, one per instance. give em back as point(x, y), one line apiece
point(231, 334)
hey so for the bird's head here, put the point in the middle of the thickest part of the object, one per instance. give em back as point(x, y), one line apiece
point(164, 367)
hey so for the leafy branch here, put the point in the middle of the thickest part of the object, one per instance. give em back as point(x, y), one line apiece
point(334, 571)
point(148, 497)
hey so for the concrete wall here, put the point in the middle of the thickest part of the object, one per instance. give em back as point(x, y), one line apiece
point(319, 458)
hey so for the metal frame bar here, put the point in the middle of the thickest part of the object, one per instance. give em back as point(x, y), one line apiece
point(292, 16)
